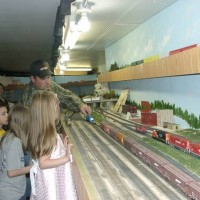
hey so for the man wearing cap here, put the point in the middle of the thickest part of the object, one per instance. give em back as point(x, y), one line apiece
point(40, 75)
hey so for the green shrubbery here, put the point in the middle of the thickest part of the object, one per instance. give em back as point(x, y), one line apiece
point(191, 119)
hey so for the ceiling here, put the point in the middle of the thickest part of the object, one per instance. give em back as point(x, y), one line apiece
point(28, 30)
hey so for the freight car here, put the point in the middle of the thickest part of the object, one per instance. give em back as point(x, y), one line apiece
point(113, 132)
point(169, 138)
point(129, 108)
point(181, 180)
point(193, 191)
point(141, 129)
point(156, 162)
point(129, 144)
point(106, 127)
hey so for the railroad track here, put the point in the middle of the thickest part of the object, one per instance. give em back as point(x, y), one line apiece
point(127, 127)
point(114, 171)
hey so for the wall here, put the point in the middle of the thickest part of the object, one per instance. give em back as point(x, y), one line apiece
point(79, 90)
point(5, 80)
point(57, 79)
point(65, 79)
point(175, 27)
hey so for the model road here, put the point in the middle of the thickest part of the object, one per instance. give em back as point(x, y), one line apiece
point(115, 173)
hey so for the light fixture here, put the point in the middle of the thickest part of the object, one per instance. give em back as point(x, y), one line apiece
point(61, 72)
point(82, 9)
point(83, 23)
point(82, 69)
point(64, 56)
point(83, 6)
point(71, 36)
point(67, 68)
point(77, 22)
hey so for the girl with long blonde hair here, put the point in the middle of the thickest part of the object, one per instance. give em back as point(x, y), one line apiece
point(51, 177)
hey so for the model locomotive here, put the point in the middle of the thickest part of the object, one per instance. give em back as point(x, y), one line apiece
point(89, 118)
point(178, 141)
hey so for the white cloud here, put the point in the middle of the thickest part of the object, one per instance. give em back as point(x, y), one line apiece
point(149, 47)
point(166, 38)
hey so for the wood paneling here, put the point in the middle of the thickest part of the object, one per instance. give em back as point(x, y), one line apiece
point(183, 63)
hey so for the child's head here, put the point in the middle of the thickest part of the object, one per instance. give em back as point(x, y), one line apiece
point(45, 106)
point(3, 113)
point(44, 111)
point(18, 119)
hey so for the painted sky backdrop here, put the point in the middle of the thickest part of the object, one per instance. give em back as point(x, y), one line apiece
point(175, 27)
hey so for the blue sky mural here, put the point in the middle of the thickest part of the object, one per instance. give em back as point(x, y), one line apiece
point(175, 27)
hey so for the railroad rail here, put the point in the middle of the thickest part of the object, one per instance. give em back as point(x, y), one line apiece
point(114, 172)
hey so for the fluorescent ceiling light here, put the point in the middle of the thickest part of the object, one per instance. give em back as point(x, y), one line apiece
point(64, 57)
point(64, 68)
point(61, 72)
point(78, 69)
point(71, 36)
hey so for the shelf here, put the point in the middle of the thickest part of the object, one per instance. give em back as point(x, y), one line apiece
point(15, 87)
point(183, 63)
point(81, 88)
point(13, 92)
point(76, 83)
point(13, 95)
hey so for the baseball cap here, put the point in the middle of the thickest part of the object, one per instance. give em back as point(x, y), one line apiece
point(40, 68)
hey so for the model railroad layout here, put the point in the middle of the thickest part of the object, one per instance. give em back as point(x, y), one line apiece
point(172, 139)
point(186, 183)
point(115, 172)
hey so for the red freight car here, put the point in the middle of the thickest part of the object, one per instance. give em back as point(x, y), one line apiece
point(195, 148)
point(129, 108)
point(106, 127)
point(194, 192)
point(179, 142)
point(156, 162)
point(129, 143)
point(182, 49)
point(177, 177)
point(113, 132)
point(140, 129)
point(140, 151)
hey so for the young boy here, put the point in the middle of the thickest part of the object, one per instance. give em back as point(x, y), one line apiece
point(13, 182)
point(3, 116)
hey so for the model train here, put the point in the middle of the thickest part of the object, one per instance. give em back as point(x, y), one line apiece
point(89, 118)
point(141, 129)
point(184, 182)
point(173, 140)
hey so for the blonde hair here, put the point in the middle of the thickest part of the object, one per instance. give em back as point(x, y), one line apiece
point(44, 111)
point(18, 123)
